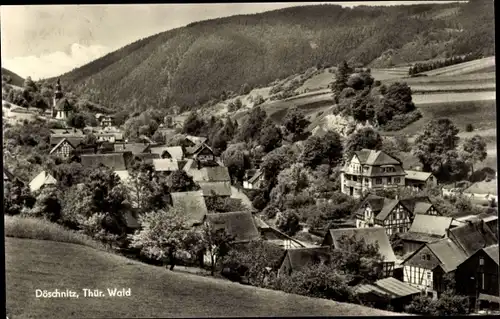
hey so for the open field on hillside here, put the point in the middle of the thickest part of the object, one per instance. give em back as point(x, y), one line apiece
point(469, 86)
point(435, 98)
point(476, 77)
point(481, 114)
point(155, 291)
point(478, 65)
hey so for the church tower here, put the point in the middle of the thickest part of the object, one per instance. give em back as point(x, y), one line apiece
point(60, 105)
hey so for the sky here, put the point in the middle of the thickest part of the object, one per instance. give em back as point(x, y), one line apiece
point(49, 40)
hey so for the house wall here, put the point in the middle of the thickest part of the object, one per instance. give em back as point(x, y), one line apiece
point(472, 278)
point(368, 219)
point(360, 179)
point(418, 269)
point(398, 221)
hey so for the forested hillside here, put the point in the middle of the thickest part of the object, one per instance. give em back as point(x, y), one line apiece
point(11, 78)
point(204, 60)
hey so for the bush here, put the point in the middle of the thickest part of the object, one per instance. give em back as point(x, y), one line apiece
point(401, 121)
point(469, 127)
point(318, 281)
point(34, 228)
point(288, 222)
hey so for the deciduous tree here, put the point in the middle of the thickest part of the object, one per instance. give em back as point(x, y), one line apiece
point(161, 235)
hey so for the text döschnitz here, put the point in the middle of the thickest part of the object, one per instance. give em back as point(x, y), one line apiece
point(85, 293)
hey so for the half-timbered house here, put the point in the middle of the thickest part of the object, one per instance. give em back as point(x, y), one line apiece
point(426, 267)
point(63, 149)
point(394, 215)
point(425, 229)
point(477, 277)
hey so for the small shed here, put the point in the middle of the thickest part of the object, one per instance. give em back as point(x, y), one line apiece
point(387, 292)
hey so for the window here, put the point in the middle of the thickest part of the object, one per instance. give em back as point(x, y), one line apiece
point(355, 178)
point(378, 181)
point(481, 261)
point(482, 281)
point(397, 180)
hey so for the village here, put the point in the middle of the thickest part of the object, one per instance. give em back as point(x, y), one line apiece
point(429, 247)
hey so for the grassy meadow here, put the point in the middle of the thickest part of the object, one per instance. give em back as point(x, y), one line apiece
point(155, 292)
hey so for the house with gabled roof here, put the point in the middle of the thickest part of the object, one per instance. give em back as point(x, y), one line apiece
point(75, 139)
point(135, 148)
point(425, 267)
point(195, 140)
point(276, 237)
point(63, 149)
point(297, 259)
point(240, 226)
point(207, 174)
point(371, 236)
point(192, 204)
point(419, 179)
point(254, 179)
point(394, 215)
point(219, 189)
point(425, 229)
point(370, 169)
point(201, 152)
point(387, 291)
point(44, 179)
point(477, 278)
point(114, 161)
point(173, 152)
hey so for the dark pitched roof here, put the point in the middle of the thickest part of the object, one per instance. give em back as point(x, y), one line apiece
point(373, 157)
point(209, 174)
point(430, 224)
point(389, 205)
point(216, 188)
point(59, 145)
point(449, 254)
point(302, 257)
point(256, 176)
point(371, 235)
point(115, 161)
point(375, 202)
point(73, 139)
point(419, 237)
point(473, 236)
point(238, 224)
point(389, 286)
point(415, 203)
point(492, 251)
point(192, 204)
point(135, 148)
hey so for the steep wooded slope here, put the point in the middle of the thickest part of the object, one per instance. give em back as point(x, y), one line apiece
point(190, 65)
